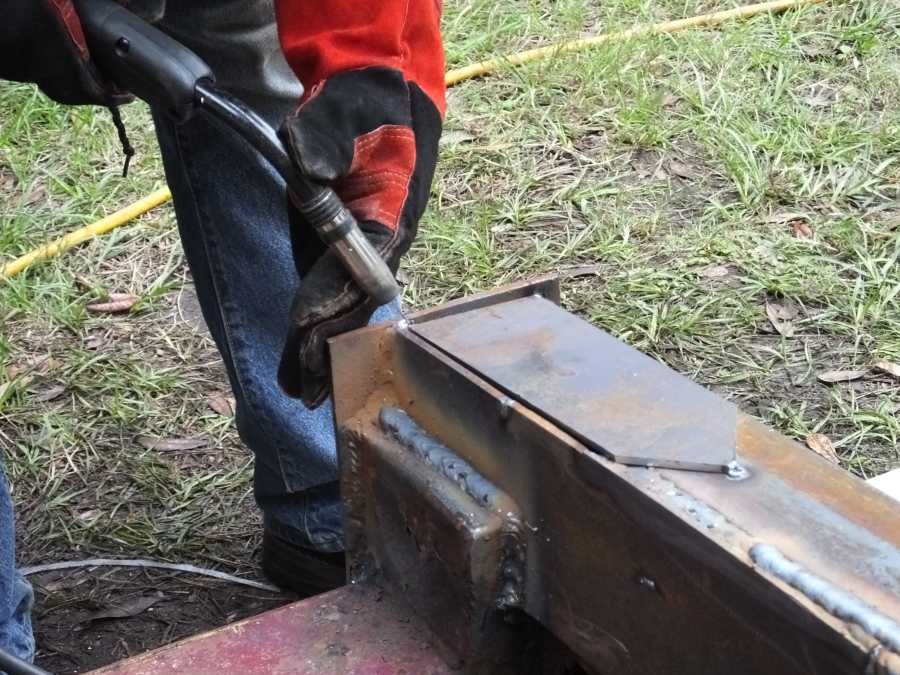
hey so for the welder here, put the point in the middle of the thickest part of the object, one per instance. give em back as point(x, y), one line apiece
point(356, 89)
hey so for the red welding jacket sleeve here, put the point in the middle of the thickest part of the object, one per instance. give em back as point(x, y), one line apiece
point(324, 37)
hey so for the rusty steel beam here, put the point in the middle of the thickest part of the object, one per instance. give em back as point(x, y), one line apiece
point(351, 631)
point(467, 499)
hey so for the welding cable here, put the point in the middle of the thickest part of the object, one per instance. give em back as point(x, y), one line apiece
point(13, 665)
point(452, 77)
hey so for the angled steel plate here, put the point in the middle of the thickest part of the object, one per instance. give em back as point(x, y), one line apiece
point(615, 399)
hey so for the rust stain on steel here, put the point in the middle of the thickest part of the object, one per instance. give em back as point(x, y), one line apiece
point(841, 528)
point(620, 402)
point(645, 570)
point(838, 490)
point(545, 286)
point(638, 571)
point(350, 631)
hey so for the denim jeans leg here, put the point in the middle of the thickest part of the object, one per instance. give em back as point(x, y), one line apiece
point(231, 213)
point(16, 596)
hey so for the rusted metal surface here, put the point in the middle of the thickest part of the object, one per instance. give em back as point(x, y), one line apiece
point(613, 398)
point(636, 570)
point(351, 631)
point(456, 542)
point(545, 287)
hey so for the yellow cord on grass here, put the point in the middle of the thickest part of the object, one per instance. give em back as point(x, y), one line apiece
point(487, 67)
point(82, 234)
point(452, 77)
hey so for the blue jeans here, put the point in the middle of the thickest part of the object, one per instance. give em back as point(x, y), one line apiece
point(15, 593)
point(232, 217)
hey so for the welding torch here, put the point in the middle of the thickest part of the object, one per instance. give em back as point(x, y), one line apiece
point(158, 69)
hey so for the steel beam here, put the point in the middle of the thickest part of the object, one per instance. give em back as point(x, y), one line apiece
point(788, 566)
point(351, 631)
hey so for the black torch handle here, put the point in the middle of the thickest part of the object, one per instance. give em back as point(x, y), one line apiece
point(158, 69)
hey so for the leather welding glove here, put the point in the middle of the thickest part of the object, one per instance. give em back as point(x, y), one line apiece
point(41, 41)
point(369, 126)
point(373, 136)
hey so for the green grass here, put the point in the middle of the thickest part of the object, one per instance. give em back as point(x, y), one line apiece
point(652, 162)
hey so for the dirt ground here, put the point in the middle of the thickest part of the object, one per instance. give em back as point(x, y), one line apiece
point(91, 617)
point(88, 617)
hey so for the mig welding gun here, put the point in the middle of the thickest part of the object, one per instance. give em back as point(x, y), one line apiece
point(160, 70)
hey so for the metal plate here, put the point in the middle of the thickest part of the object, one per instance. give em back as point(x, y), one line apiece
point(618, 401)
point(354, 630)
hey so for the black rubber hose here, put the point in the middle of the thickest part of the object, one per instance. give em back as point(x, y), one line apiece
point(238, 116)
point(13, 665)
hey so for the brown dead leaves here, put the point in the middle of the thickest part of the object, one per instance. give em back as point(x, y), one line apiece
point(880, 366)
point(823, 447)
point(127, 608)
point(834, 376)
point(887, 367)
point(796, 220)
point(115, 303)
point(221, 403)
point(172, 444)
point(781, 316)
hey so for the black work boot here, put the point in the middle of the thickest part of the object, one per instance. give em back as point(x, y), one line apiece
point(301, 570)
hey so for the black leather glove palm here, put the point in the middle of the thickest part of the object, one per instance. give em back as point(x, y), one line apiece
point(373, 137)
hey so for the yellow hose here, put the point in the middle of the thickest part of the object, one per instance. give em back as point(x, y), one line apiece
point(487, 67)
point(82, 234)
point(452, 77)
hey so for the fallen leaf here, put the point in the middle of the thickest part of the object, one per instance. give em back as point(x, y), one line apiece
point(670, 99)
point(782, 318)
point(680, 169)
point(114, 304)
point(94, 342)
point(455, 137)
point(127, 608)
point(580, 271)
point(784, 217)
point(8, 180)
point(221, 404)
point(89, 515)
point(189, 310)
point(822, 446)
point(801, 228)
point(832, 376)
point(822, 47)
point(50, 393)
point(715, 272)
point(167, 444)
point(38, 194)
point(887, 367)
point(821, 95)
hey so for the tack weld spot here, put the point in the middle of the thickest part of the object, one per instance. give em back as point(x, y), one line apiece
point(836, 601)
point(699, 511)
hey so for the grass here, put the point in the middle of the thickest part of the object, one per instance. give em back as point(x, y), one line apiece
point(691, 178)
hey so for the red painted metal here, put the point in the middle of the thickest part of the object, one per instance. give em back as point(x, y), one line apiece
point(351, 631)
